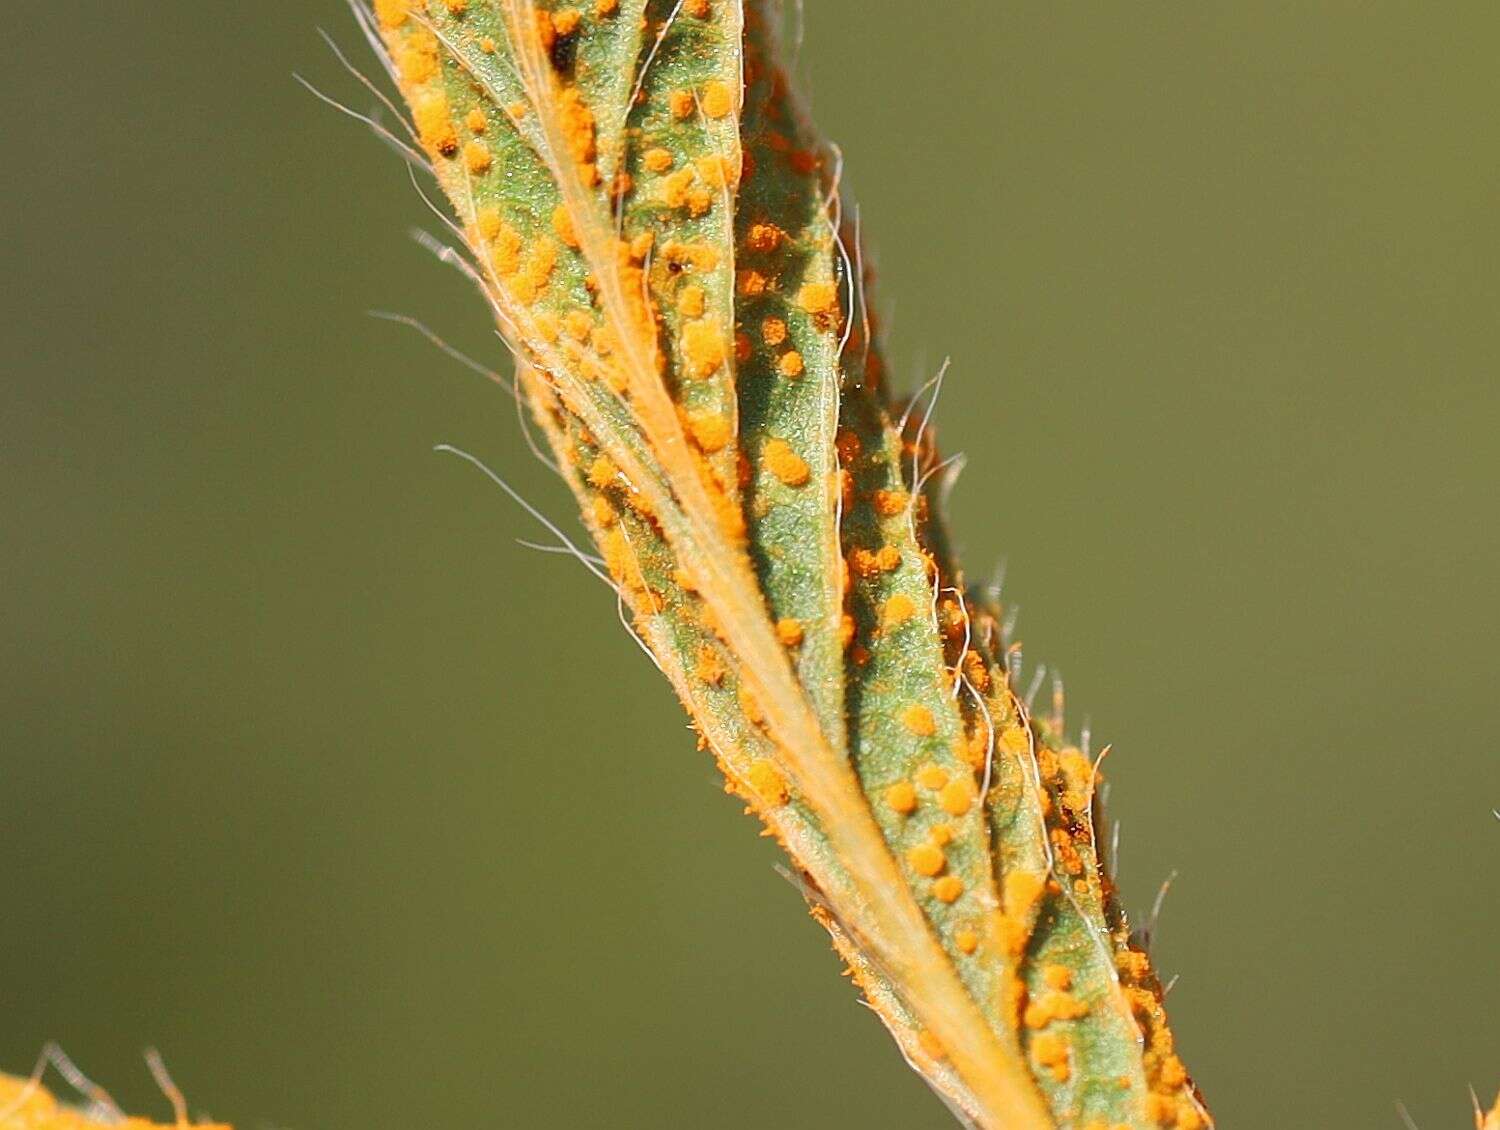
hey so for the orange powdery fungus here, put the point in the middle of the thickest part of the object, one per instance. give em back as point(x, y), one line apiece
point(789, 631)
point(784, 463)
point(1050, 1051)
point(818, 298)
point(948, 888)
point(901, 798)
point(710, 430)
point(926, 859)
point(930, 776)
point(897, 610)
point(918, 719)
point(958, 796)
point(717, 99)
point(768, 782)
point(703, 347)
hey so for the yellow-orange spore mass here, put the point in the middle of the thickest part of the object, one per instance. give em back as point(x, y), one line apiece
point(931, 1045)
point(717, 99)
point(768, 782)
point(562, 224)
point(918, 719)
point(926, 859)
point(416, 58)
point(1052, 1006)
point(764, 237)
point(691, 301)
point(602, 472)
point(749, 282)
point(702, 347)
point(901, 798)
point(1051, 1052)
point(710, 668)
point(1057, 976)
point(789, 631)
point(391, 13)
point(700, 201)
point(1014, 739)
point(898, 609)
point(889, 503)
point(434, 122)
point(784, 463)
point(577, 124)
point(488, 221)
point(711, 430)
point(673, 189)
point(931, 776)
point(948, 888)
point(958, 796)
point(578, 325)
point(818, 298)
point(477, 156)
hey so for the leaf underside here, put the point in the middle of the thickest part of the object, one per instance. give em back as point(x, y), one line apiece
point(658, 231)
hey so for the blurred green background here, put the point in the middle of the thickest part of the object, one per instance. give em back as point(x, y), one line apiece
point(369, 817)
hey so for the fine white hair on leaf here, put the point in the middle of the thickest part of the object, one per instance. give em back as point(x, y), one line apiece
point(620, 598)
point(458, 355)
point(366, 23)
point(1034, 686)
point(101, 1106)
point(994, 588)
point(1008, 630)
point(158, 1068)
point(442, 215)
point(520, 500)
point(368, 85)
point(968, 638)
point(863, 297)
point(406, 151)
point(1153, 920)
point(983, 709)
point(562, 550)
point(640, 76)
point(952, 471)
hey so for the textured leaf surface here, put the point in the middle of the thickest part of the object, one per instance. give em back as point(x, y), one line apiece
point(659, 233)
